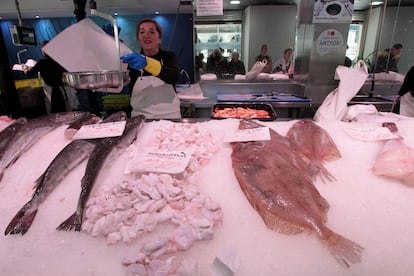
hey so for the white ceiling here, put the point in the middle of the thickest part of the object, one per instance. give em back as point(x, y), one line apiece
point(65, 8)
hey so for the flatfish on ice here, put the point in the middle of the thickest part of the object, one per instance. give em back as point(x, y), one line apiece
point(315, 146)
point(283, 195)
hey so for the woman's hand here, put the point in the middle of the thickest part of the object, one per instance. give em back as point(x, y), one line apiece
point(135, 61)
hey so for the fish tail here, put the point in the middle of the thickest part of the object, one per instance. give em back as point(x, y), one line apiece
point(345, 251)
point(74, 222)
point(21, 221)
point(325, 175)
point(318, 170)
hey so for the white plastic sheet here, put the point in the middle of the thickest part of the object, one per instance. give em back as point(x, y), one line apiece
point(335, 105)
point(84, 46)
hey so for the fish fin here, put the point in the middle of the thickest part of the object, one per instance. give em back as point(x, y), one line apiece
point(39, 181)
point(325, 175)
point(345, 251)
point(21, 221)
point(279, 225)
point(74, 222)
point(318, 170)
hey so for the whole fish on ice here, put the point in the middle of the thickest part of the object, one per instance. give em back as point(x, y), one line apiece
point(88, 119)
point(8, 134)
point(31, 132)
point(67, 159)
point(102, 151)
point(315, 146)
point(284, 196)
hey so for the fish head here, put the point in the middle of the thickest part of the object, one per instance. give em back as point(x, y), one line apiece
point(67, 117)
point(116, 117)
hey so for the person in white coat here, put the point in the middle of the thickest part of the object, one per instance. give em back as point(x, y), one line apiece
point(283, 64)
point(154, 73)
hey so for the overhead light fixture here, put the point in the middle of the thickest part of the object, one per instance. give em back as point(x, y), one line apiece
point(234, 2)
point(376, 3)
point(157, 12)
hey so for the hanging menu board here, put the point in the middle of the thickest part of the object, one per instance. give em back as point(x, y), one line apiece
point(209, 7)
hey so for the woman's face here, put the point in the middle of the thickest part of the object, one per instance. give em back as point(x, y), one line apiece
point(149, 38)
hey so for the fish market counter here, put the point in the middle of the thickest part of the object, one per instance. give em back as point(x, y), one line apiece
point(373, 211)
point(286, 96)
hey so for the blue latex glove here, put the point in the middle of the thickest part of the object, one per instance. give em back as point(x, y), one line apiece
point(135, 61)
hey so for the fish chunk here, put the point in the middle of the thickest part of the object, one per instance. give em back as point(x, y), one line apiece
point(284, 196)
point(396, 160)
point(315, 146)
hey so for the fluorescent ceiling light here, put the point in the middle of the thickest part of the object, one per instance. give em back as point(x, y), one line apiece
point(376, 3)
point(234, 2)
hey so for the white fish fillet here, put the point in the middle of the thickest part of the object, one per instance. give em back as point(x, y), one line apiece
point(396, 160)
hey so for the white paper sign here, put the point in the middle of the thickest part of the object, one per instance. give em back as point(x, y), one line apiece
point(173, 162)
point(102, 130)
point(370, 133)
point(251, 134)
point(209, 7)
point(330, 42)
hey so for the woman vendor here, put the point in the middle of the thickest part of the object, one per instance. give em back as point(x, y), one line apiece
point(154, 73)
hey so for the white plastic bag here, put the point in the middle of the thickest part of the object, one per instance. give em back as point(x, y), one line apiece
point(256, 69)
point(335, 105)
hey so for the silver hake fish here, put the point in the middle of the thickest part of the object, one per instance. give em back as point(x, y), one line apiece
point(67, 159)
point(31, 132)
point(106, 147)
point(8, 134)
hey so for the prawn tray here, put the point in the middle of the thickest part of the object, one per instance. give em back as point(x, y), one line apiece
point(256, 111)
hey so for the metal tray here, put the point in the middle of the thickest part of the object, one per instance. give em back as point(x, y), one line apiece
point(258, 106)
point(105, 80)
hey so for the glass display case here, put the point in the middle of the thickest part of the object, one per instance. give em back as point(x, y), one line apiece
point(227, 37)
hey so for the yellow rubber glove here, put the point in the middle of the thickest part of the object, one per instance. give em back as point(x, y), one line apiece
point(153, 66)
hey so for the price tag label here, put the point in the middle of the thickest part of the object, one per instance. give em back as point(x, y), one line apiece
point(173, 162)
point(251, 134)
point(370, 133)
point(103, 130)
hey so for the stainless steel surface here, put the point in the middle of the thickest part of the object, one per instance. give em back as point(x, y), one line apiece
point(211, 88)
point(105, 80)
point(381, 103)
point(202, 108)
